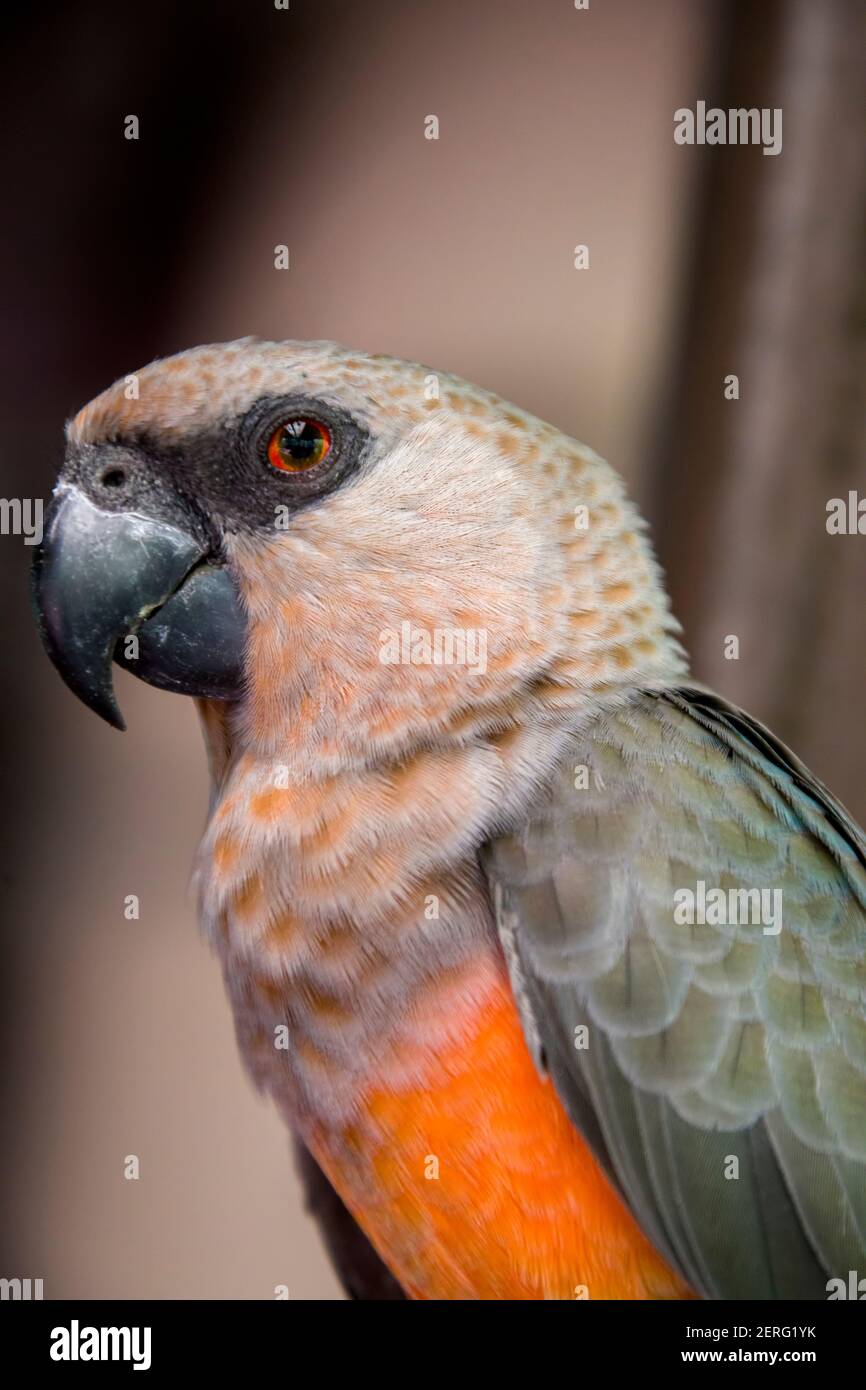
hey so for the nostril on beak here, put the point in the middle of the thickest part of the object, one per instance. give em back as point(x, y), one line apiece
point(113, 477)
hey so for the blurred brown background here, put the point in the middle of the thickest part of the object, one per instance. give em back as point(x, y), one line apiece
point(306, 127)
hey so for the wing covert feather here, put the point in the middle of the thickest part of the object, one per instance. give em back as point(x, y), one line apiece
point(697, 1043)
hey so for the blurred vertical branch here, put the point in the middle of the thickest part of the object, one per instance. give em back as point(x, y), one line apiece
point(777, 297)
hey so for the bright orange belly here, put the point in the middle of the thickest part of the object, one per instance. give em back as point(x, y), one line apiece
point(477, 1185)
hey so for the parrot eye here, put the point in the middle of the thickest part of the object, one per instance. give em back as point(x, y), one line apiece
point(298, 444)
point(298, 449)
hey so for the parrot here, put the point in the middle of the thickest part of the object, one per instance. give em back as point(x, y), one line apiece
point(552, 960)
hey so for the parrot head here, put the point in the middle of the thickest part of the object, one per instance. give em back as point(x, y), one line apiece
point(344, 548)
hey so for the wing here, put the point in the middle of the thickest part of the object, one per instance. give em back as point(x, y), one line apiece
point(722, 1058)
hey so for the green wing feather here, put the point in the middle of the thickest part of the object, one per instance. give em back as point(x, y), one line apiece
point(705, 1043)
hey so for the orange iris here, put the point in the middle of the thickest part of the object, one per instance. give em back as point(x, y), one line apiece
point(298, 444)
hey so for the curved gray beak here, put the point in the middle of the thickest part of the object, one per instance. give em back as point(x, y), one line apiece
point(126, 587)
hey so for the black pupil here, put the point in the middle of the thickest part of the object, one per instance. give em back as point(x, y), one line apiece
point(301, 440)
